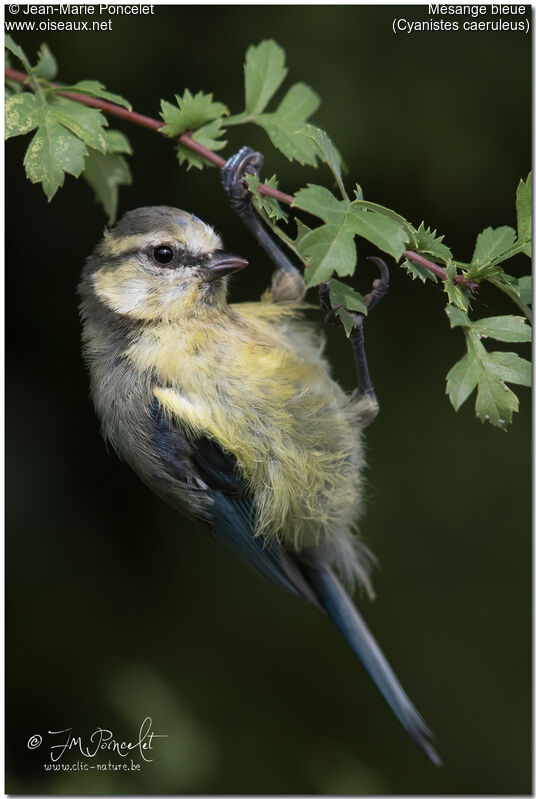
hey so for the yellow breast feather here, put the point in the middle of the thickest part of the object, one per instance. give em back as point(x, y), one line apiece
point(273, 407)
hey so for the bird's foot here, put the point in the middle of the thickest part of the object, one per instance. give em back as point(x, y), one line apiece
point(245, 162)
point(380, 287)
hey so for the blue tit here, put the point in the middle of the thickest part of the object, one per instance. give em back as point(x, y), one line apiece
point(228, 411)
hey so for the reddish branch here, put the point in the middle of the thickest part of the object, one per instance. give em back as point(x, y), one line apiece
point(187, 140)
point(438, 270)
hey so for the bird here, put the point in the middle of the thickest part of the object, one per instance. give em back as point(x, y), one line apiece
point(228, 411)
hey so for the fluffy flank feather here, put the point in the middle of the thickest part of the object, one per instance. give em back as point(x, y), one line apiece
point(241, 381)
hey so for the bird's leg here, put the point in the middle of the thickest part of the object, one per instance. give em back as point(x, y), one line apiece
point(287, 282)
point(363, 397)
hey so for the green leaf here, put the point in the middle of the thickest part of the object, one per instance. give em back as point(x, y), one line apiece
point(428, 242)
point(327, 249)
point(457, 296)
point(386, 233)
point(53, 151)
point(341, 294)
point(21, 114)
point(86, 123)
point(106, 172)
point(525, 289)
point(502, 328)
point(347, 320)
point(117, 142)
point(462, 380)
point(283, 125)
point(487, 371)
point(264, 72)
point(494, 246)
point(509, 367)
point(485, 271)
point(19, 53)
point(319, 201)
point(495, 402)
point(507, 283)
point(46, 66)
point(491, 244)
point(327, 152)
point(283, 135)
point(381, 209)
point(264, 202)
point(416, 270)
point(298, 104)
point(93, 88)
point(191, 112)
point(524, 210)
point(511, 286)
point(301, 230)
point(64, 128)
point(477, 369)
point(12, 87)
point(331, 246)
point(207, 135)
point(457, 317)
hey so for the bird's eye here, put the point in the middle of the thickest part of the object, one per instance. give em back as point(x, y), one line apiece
point(163, 254)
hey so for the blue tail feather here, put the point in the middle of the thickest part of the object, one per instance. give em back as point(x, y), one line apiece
point(344, 614)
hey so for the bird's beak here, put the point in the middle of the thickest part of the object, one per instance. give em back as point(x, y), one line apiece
point(224, 263)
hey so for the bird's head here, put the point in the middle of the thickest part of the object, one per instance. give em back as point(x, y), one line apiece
point(160, 263)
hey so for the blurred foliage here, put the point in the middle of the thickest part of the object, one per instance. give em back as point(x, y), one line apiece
point(117, 607)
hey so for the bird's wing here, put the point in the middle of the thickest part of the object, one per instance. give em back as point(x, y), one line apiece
point(200, 461)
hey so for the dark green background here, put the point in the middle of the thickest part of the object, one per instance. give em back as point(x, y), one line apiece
point(118, 608)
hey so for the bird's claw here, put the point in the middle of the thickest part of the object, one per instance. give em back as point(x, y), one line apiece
point(245, 162)
point(380, 287)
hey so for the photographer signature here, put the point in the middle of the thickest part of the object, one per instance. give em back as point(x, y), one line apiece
point(99, 741)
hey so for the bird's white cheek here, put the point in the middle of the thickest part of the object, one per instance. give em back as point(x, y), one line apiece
point(130, 292)
point(121, 292)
